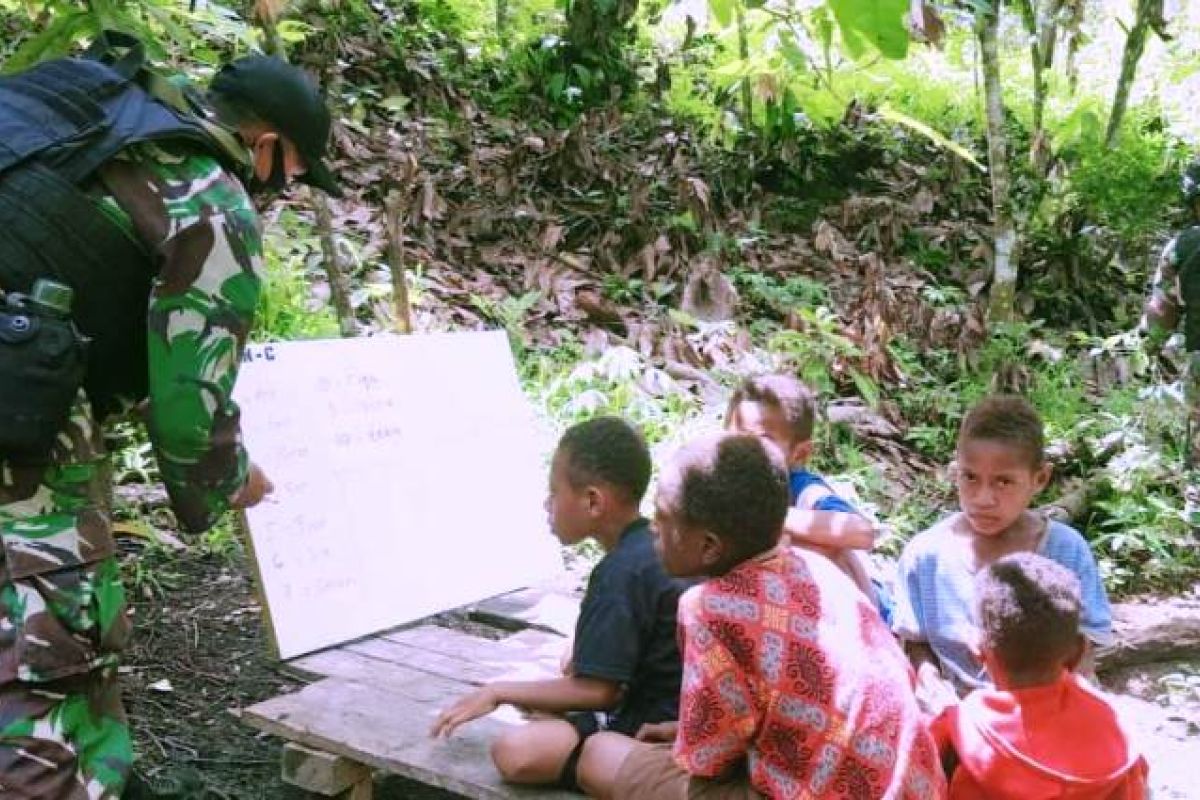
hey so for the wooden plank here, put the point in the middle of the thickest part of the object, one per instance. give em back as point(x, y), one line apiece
point(540, 608)
point(352, 666)
point(389, 731)
point(473, 659)
point(528, 645)
point(321, 772)
point(426, 661)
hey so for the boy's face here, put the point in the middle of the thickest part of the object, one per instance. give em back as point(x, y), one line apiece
point(685, 552)
point(569, 509)
point(996, 483)
point(767, 421)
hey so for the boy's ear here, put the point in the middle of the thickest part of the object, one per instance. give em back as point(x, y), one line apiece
point(800, 452)
point(1076, 654)
point(1042, 476)
point(712, 550)
point(597, 501)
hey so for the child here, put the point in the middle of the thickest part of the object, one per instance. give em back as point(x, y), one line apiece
point(793, 686)
point(1042, 732)
point(1000, 468)
point(625, 659)
point(781, 408)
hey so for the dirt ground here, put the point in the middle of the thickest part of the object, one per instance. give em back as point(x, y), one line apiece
point(200, 654)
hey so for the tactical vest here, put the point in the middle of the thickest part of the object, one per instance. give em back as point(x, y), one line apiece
point(60, 121)
point(1187, 256)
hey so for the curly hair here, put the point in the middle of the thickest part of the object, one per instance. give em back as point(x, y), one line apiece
point(1008, 419)
point(607, 450)
point(1029, 609)
point(784, 392)
point(735, 486)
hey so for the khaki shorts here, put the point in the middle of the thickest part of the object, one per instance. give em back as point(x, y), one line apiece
point(649, 773)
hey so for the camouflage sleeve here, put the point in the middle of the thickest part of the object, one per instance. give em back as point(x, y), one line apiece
point(1165, 303)
point(200, 313)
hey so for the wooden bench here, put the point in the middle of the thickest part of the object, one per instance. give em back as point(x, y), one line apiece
point(373, 701)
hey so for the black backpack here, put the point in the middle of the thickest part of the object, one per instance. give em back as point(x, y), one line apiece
point(59, 122)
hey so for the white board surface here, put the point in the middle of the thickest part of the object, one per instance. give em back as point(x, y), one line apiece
point(408, 480)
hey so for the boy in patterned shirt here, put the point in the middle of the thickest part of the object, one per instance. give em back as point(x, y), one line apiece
point(792, 685)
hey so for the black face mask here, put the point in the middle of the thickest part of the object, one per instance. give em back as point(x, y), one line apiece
point(276, 181)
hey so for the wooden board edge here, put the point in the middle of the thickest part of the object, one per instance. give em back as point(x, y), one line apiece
point(242, 525)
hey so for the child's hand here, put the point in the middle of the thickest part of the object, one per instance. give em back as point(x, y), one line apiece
point(658, 732)
point(566, 664)
point(478, 703)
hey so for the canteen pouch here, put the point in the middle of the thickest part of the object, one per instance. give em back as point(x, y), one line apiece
point(43, 358)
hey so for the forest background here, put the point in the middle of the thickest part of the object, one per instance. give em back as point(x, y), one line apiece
point(909, 204)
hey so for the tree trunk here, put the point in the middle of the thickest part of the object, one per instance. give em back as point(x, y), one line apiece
point(744, 53)
point(395, 253)
point(1135, 45)
point(502, 22)
point(594, 26)
point(1030, 17)
point(1074, 34)
point(338, 286)
point(1001, 300)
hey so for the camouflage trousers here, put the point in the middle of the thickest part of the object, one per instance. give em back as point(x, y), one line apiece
point(63, 731)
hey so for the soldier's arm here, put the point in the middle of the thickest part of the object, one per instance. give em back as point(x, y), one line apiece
point(1165, 303)
point(200, 312)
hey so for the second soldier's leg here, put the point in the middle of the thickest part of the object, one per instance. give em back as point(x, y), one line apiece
point(63, 731)
point(1191, 391)
point(66, 740)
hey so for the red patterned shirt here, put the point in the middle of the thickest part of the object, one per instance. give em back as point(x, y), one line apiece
point(787, 666)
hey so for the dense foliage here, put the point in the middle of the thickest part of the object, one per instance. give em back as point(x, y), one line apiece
point(655, 199)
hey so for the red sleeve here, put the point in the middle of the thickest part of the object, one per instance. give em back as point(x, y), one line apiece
point(717, 716)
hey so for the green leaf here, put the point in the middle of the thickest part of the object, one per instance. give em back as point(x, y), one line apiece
point(878, 23)
point(293, 31)
point(52, 42)
point(396, 102)
point(887, 112)
point(867, 388)
point(722, 10)
point(737, 68)
point(796, 57)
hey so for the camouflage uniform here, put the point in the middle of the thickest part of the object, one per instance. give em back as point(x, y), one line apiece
point(63, 625)
point(1164, 310)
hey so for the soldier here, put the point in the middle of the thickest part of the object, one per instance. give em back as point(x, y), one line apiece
point(135, 196)
point(1175, 296)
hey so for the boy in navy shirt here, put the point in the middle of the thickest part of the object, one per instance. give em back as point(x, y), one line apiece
point(782, 409)
point(625, 668)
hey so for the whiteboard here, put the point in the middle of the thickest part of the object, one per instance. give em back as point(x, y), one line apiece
point(409, 479)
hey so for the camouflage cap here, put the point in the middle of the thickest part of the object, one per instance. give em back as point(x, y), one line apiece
point(286, 97)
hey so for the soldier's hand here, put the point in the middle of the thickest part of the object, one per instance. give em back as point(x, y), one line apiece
point(257, 486)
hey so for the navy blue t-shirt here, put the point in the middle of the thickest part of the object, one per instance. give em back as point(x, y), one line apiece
point(626, 631)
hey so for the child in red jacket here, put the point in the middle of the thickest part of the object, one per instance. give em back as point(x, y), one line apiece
point(1042, 732)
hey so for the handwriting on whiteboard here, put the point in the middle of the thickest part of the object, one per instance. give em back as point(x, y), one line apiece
point(409, 479)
